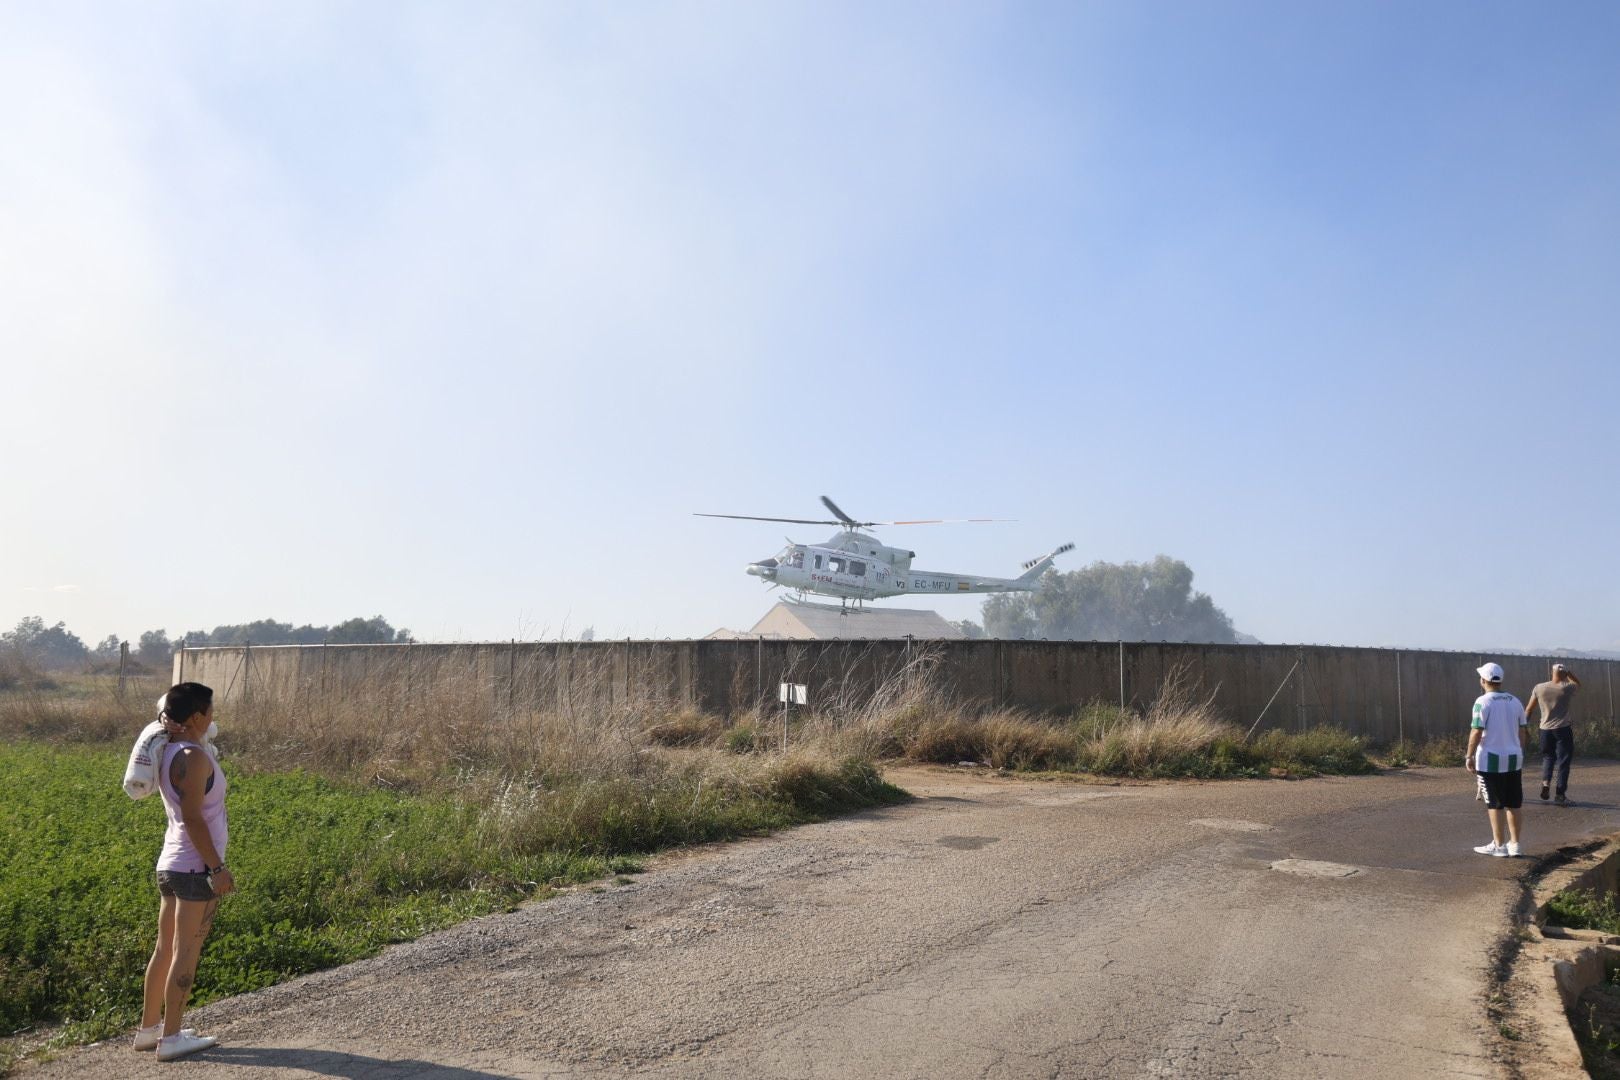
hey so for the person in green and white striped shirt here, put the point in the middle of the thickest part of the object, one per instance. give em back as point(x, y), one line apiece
point(1496, 755)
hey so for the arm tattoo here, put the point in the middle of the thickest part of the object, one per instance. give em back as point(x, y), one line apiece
point(177, 771)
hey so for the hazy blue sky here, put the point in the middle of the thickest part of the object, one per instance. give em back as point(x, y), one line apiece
point(456, 312)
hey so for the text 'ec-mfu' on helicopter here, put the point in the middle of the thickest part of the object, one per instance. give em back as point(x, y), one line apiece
point(856, 566)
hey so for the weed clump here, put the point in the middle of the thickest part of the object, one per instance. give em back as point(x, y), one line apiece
point(1600, 738)
point(688, 727)
point(1595, 1019)
point(1436, 752)
point(1583, 909)
point(747, 738)
point(1314, 751)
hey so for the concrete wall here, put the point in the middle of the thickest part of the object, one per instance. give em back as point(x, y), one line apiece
point(1380, 693)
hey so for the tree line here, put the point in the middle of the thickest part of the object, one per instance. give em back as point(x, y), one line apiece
point(56, 648)
point(1151, 601)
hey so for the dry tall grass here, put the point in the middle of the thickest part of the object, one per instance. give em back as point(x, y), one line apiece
point(1180, 734)
point(463, 734)
point(577, 778)
point(1180, 726)
point(75, 708)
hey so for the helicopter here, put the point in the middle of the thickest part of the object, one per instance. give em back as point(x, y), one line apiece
point(853, 565)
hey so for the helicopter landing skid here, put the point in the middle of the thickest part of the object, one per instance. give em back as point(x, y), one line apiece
point(844, 608)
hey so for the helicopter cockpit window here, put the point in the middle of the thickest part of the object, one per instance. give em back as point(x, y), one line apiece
point(796, 560)
point(857, 568)
point(836, 564)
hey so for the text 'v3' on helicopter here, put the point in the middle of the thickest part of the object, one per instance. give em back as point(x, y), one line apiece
point(853, 565)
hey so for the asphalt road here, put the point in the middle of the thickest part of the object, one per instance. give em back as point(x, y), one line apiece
point(993, 928)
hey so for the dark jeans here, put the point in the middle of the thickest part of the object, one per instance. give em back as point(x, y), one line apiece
point(1558, 743)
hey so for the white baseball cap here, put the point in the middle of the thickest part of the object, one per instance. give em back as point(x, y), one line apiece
point(1490, 672)
point(1560, 667)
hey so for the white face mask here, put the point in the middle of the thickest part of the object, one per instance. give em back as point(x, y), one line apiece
point(212, 733)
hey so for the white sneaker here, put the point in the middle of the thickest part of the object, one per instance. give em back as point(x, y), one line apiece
point(175, 1046)
point(1513, 849)
point(1492, 848)
point(146, 1038)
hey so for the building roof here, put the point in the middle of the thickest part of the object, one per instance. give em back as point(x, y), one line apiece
point(823, 622)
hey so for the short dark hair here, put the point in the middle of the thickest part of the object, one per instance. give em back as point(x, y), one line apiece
point(187, 699)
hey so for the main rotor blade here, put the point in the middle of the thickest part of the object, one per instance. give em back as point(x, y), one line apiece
point(852, 523)
point(790, 521)
point(946, 521)
point(839, 514)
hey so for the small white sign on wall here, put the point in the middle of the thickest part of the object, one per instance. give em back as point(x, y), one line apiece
point(793, 693)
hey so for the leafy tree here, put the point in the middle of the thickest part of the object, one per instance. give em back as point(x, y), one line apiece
point(1008, 615)
point(260, 632)
point(970, 629)
point(1151, 601)
point(374, 630)
point(154, 649)
point(41, 646)
point(45, 646)
point(588, 634)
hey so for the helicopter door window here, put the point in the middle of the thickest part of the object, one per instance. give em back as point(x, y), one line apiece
point(836, 564)
point(818, 562)
point(857, 568)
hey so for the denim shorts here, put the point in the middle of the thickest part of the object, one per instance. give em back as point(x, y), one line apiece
point(183, 886)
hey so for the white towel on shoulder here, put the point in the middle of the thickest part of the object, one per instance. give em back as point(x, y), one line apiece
point(141, 774)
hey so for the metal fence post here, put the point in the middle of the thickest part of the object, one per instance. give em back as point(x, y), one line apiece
point(1003, 684)
point(1608, 675)
point(123, 662)
point(247, 669)
point(1301, 685)
point(1400, 708)
point(1122, 675)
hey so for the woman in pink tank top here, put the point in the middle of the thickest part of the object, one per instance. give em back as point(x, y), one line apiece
point(191, 871)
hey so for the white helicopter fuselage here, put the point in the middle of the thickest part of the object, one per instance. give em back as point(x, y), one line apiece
point(855, 566)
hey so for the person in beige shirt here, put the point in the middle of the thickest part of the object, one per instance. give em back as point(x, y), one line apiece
point(1557, 736)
